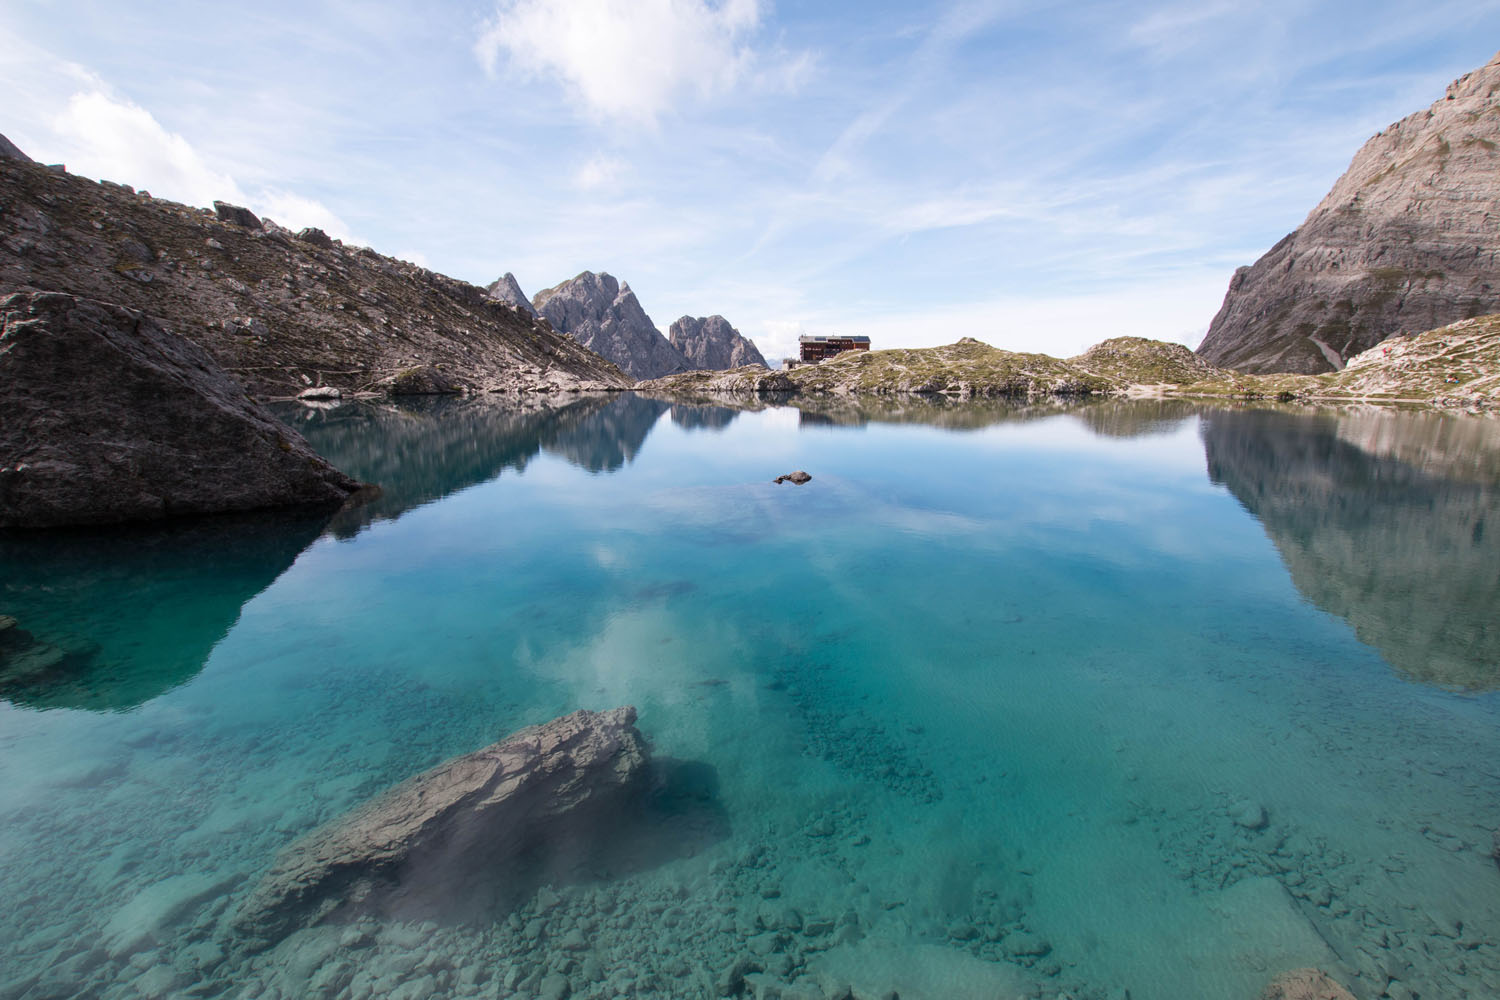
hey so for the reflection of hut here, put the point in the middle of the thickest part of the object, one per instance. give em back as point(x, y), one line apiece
point(815, 349)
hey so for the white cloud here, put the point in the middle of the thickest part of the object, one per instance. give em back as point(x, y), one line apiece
point(116, 140)
point(296, 212)
point(631, 59)
point(598, 172)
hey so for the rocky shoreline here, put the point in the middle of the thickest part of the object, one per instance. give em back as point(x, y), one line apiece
point(1453, 367)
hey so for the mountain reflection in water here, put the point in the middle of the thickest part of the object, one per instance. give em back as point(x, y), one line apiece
point(119, 616)
point(1381, 518)
point(1388, 520)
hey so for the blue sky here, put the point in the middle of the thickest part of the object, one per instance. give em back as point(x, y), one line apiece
point(1036, 176)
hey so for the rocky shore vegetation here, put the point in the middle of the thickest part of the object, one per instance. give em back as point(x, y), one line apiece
point(1456, 366)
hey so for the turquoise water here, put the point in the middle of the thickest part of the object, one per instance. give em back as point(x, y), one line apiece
point(1006, 702)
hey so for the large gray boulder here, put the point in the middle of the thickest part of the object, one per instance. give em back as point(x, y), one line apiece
point(1407, 240)
point(507, 289)
point(709, 342)
point(434, 833)
point(604, 315)
point(109, 417)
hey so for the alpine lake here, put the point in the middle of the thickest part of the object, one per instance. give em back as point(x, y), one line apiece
point(1102, 700)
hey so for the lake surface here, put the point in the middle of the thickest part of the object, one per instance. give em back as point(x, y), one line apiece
point(1007, 701)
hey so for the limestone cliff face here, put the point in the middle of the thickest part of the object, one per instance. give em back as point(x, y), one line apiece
point(1407, 240)
point(711, 343)
point(604, 315)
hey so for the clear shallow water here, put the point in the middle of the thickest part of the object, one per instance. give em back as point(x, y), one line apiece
point(990, 708)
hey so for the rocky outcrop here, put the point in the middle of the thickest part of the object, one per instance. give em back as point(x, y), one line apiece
point(604, 315)
point(711, 343)
point(1305, 984)
point(109, 418)
point(9, 151)
point(473, 814)
point(751, 380)
point(278, 311)
point(507, 289)
point(235, 215)
point(1407, 240)
point(1138, 361)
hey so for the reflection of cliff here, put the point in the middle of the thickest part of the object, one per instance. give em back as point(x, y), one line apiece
point(115, 618)
point(610, 437)
point(698, 418)
point(428, 448)
point(1111, 417)
point(1408, 555)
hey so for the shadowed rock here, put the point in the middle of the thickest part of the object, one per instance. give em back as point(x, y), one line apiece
point(110, 418)
point(432, 835)
point(236, 216)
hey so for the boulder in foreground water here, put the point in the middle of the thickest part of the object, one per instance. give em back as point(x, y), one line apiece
point(109, 417)
point(458, 822)
point(1305, 984)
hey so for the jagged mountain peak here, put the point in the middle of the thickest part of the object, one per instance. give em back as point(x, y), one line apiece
point(603, 314)
point(507, 289)
point(711, 342)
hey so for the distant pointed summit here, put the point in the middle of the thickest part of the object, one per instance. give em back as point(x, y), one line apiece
point(710, 342)
point(603, 315)
point(507, 289)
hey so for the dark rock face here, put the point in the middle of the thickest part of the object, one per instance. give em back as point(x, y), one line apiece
point(236, 216)
point(9, 151)
point(603, 315)
point(316, 237)
point(1407, 240)
point(109, 418)
point(507, 289)
point(475, 813)
point(279, 312)
point(710, 342)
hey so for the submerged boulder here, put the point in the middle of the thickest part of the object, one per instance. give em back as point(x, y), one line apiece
point(109, 417)
point(462, 820)
point(1305, 984)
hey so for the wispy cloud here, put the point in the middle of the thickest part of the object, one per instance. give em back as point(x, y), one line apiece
point(598, 171)
point(632, 59)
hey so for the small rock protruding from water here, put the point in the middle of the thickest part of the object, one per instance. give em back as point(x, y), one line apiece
point(799, 477)
point(1250, 815)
